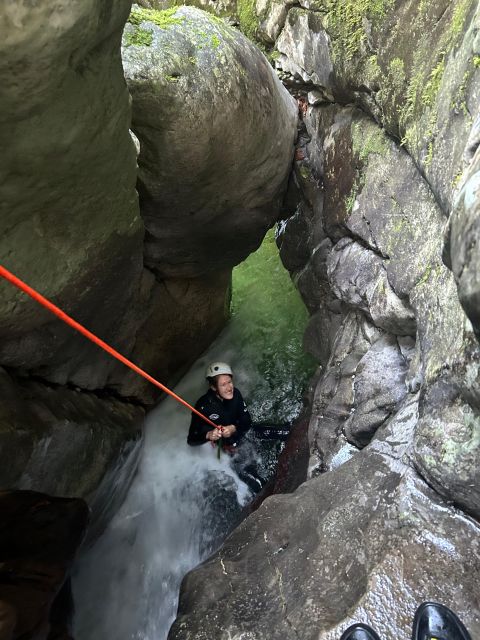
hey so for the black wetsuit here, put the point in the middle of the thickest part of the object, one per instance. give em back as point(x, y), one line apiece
point(221, 412)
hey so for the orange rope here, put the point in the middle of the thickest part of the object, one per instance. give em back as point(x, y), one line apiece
point(91, 336)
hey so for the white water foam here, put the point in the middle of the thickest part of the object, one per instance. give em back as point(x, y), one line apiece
point(183, 499)
point(127, 585)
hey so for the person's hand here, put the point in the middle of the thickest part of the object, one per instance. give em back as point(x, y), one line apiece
point(229, 430)
point(214, 435)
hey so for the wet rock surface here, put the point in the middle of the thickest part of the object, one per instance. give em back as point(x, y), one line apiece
point(70, 221)
point(33, 568)
point(68, 443)
point(382, 249)
point(463, 234)
point(366, 542)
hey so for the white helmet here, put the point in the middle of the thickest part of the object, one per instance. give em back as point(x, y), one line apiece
point(218, 369)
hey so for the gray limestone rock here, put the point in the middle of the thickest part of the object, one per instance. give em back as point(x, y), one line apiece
point(304, 51)
point(464, 238)
point(386, 262)
point(272, 14)
point(447, 451)
point(447, 445)
point(358, 277)
point(378, 389)
point(216, 130)
point(411, 67)
point(334, 395)
point(320, 333)
point(366, 542)
point(374, 193)
point(70, 226)
point(191, 313)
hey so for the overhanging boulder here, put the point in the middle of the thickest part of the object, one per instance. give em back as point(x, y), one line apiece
point(216, 131)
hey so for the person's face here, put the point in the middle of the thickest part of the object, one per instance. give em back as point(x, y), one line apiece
point(224, 387)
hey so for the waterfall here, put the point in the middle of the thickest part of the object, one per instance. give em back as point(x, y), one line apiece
point(183, 500)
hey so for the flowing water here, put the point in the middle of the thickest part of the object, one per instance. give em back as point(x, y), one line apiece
point(183, 500)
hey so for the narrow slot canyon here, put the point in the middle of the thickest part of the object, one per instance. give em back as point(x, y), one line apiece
point(290, 188)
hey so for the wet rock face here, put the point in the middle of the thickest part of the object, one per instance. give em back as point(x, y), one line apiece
point(378, 388)
point(66, 442)
point(216, 131)
point(423, 92)
point(70, 224)
point(395, 429)
point(34, 567)
point(358, 277)
point(71, 228)
point(447, 444)
point(367, 542)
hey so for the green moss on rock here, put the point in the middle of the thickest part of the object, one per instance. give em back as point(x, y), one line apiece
point(427, 72)
point(163, 19)
point(350, 200)
point(432, 87)
point(139, 37)
point(138, 34)
point(247, 18)
point(346, 21)
point(364, 144)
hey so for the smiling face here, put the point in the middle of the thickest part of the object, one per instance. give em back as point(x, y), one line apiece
point(224, 387)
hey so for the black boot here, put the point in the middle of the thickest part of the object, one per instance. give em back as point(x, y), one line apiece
point(434, 621)
point(360, 631)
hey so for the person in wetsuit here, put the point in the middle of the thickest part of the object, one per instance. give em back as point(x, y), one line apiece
point(222, 404)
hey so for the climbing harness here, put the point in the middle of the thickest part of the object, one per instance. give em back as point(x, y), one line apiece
point(5, 273)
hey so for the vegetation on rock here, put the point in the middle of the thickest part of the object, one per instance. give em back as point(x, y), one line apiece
point(142, 36)
point(247, 18)
point(163, 19)
point(346, 21)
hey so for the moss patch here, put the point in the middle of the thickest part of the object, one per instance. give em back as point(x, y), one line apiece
point(346, 21)
point(429, 93)
point(138, 34)
point(139, 37)
point(365, 143)
point(163, 19)
point(350, 199)
point(427, 71)
point(247, 18)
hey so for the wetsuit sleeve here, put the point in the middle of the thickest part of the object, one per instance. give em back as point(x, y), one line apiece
point(198, 427)
point(244, 421)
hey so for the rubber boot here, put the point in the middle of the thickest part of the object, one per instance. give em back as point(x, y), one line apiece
point(434, 621)
point(360, 631)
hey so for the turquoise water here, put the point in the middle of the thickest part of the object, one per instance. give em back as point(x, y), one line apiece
point(184, 499)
